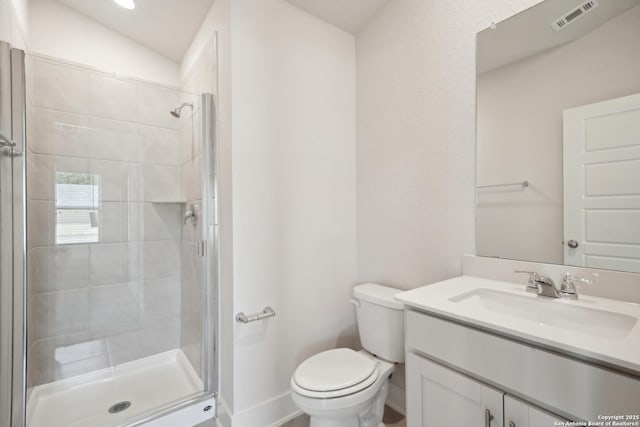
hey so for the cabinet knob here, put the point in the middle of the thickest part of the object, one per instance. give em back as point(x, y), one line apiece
point(512, 424)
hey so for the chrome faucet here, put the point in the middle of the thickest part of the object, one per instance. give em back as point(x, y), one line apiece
point(568, 287)
point(540, 284)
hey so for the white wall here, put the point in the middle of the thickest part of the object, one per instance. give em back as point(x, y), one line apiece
point(293, 197)
point(520, 134)
point(293, 125)
point(21, 10)
point(13, 25)
point(58, 31)
point(416, 137)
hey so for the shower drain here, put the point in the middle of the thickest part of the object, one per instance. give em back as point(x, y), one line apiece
point(119, 407)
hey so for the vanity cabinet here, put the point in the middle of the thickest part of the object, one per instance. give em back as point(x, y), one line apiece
point(456, 372)
point(439, 396)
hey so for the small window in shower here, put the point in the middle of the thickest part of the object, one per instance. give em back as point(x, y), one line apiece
point(77, 208)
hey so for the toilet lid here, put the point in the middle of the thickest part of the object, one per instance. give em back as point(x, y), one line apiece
point(334, 370)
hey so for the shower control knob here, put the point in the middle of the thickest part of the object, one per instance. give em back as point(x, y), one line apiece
point(572, 244)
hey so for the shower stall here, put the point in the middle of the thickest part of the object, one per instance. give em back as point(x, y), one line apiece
point(108, 245)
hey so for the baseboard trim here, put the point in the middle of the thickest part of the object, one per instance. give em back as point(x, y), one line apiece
point(288, 417)
point(223, 415)
point(396, 399)
point(278, 410)
point(272, 412)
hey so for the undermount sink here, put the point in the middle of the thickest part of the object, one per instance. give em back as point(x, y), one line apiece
point(546, 312)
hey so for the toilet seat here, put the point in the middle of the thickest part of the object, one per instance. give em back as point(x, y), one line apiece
point(334, 373)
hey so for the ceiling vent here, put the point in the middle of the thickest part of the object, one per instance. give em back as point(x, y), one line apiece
point(566, 19)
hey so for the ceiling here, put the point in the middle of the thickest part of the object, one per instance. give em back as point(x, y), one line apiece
point(165, 26)
point(530, 32)
point(349, 15)
point(168, 27)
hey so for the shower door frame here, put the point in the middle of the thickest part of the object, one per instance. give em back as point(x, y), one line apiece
point(13, 127)
point(208, 252)
point(209, 244)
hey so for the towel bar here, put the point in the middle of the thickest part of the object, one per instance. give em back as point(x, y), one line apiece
point(266, 313)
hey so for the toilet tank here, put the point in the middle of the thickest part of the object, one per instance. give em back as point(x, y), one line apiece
point(380, 321)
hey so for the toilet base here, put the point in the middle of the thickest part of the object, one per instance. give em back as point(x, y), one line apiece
point(336, 423)
point(371, 416)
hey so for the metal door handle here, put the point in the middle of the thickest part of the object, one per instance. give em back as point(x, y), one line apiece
point(572, 244)
point(487, 417)
point(512, 424)
point(5, 141)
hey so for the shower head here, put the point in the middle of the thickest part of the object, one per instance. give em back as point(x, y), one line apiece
point(177, 111)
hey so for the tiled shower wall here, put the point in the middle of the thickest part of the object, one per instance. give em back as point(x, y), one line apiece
point(201, 78)
point(108, 291)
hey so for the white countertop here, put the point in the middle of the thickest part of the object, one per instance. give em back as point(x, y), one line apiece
point(619, 349)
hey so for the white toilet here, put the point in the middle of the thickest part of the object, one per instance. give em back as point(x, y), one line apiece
point(345, 388)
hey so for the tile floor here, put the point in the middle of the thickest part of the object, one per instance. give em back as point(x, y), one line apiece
point(391, 419)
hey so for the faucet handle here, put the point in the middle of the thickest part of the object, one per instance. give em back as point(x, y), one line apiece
point(571, 278)
point(191, 214)
point(532, 285)
point(568, 287)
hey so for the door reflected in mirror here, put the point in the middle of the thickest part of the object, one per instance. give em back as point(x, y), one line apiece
point(558, 108)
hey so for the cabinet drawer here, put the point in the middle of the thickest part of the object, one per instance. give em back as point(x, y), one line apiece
point(566, 386)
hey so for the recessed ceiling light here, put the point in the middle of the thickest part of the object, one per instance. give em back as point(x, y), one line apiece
point(127, 4)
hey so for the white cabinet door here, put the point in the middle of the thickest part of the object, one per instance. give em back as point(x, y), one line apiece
point(437, 397)
point(520, 414)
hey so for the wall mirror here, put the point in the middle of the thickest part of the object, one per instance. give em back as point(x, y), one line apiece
point(558, 135)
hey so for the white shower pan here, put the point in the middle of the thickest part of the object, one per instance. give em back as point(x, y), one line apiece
point(109, 397)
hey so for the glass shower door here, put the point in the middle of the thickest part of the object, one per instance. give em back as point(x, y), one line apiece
point(121, 249)
point(120, 246)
